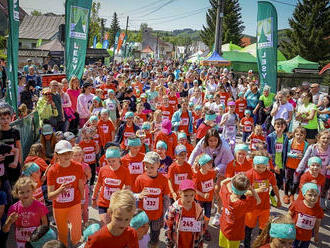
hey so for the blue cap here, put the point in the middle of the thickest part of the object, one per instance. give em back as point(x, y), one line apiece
point(129, 115)
point(96, 98)
point(134, 142)
point(31, 169)
point(210, 117)
point(161, 144)
point(146, 126)
point(247, 111)
point(191, 104)
point(90, 230)
point(282, 231)
point(204, 159)
point(314, 160)
point(179, 149)
point(112, 153)
point(309, 186)
point(139, 220)
point(260, 160)
point(182, 135)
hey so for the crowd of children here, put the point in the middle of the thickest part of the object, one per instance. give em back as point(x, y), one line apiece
point(164, 162)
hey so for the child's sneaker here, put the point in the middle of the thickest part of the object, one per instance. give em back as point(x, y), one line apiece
point(216, 220)
point(273, 200)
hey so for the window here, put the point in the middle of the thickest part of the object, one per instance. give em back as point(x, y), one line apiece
point(19, 45)
point(33, 45)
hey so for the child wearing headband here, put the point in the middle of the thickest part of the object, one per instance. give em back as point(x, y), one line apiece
point(140, 222)
point(183, 140)
point(247, 124)
point(279, 232)
point(261, 179)
point(148, 140)
point(32, 170)
point(307, 215)
point(240, 163)
point(40, 236)
point(165, 161)
point(105, 129)
point(235, 206)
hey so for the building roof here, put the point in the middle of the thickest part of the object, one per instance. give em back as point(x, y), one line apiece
point(31, 53)
point(40, 27)
point(53, 46)
point(4, 9)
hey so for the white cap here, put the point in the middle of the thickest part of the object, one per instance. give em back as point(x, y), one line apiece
point(63, 146)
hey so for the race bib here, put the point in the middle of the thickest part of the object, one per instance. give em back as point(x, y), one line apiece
point(150, 203)
point(231, 128)
point(178, 178)
point(107, 192)
point(278, 147)
point(172, 102)
point(89, 157)
point(184, 122)
point(296, 151)
point(147, 141)
point(2, 169)
point(165, 117)
point(111, 106)
point(66, 195)
point(207, 186)
point(24, 233)
point(262, 183)
point(253, 146)
point(248, 128)
point(190, 225)
point(105, 129)
point(136, 168)
point(305, 221)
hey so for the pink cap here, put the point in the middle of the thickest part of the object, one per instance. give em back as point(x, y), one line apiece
point(231, 103)
point(166, 126)
point(187, 184)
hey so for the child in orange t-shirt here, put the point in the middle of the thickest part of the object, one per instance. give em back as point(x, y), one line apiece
point(178, 171)
point(105, 128)
point(240, 163)
point(112, 178)
point(153, 196)
point(183, 140)
point(247, 124)
point(240, 105)
point(166, 108)
point(296, 150)
point(307, 215)
point(204, 176)
point(133, 159)
point(146, 127)
point(185, 224)
point(256, 137)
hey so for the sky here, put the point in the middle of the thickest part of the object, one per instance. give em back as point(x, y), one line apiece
point(167, 14)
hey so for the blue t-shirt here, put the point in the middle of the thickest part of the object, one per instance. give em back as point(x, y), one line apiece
point(252, 99)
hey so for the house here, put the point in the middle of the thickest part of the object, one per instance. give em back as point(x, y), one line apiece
point(4, 16)
point(34, 28)
point(160, 48)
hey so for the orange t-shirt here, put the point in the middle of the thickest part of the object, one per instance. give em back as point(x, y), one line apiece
point(297, 149)
point(171, 141)
point(134, 165)
point(184, 122)
point(102, 161)
point(177, 173)
point(234, 168)
point(105, 87)
point(137, 86)
point(173, 101)
point(167, 112)
point(254, 139)
point(89, 149)
point(142, 118)
point(267, 178)
point(190, 148)
point(187, 218)
point(148, 139)
point(247, 124)
point(205, 184)
point(111, 181)
point(157, 187)
point(305, 219)
point(240, 107)
point(105, 130)
point(224, 97)
point(129, 131)
point(308, 178)
point(196, 118)
point(57, 175)
point(37, 193)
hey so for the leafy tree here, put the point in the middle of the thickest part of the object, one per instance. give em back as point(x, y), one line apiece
point(94, 23)
point(114, 28)
point(232, 23)
point(36, 13)
point(310, 31)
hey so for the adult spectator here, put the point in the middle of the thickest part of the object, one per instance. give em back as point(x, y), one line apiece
point(252, 98)
point(3, 76)
point(54, 87)
point(324, 111)
point(263, 108)
point(28, 65)
point(68, 112)
point(46, 108)
point(317, 95)
point(307, 116)
point(211, 85)
point(31, 75)
point(282, 108)
point(84, 101)
point(29, 95)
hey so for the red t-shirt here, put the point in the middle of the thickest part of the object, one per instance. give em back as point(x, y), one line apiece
point(267, 178)
point(297, 149)
point(232, 221)
point(89, 149)
point(196, 118)
point(254, 139)
point(240, 107)
point(71, 175)
point(171, 140)
point(102, 161)
point(305, 219)
point(134, 165)
point(110, 182)
point(37, 193)
point(167, 112)
point(177, 173)
point(224, 97)
point(173, 101)
point(184, 122)
point(157, 187)
point(234, 168)
point(39, 161)
point(185, 235)
point(105, 130)
point(128, 239)
point(308, 178)
point(202, 130)
point(204, 184)
point(129, 131)
point(247, 124)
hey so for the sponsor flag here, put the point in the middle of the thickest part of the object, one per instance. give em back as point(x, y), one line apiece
point(120, 41)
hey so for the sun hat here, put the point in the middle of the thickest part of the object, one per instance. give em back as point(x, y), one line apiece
point(187, 184)
point(63, 146)
point(152, 158)
point(47, 129)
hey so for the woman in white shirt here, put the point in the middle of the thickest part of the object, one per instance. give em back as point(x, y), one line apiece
point(282, 108)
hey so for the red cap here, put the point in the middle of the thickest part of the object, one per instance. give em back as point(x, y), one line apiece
point(187, 184)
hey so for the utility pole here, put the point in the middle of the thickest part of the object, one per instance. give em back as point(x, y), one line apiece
point(126, 36)
point(218, 28)
point(102, 30)
point(157, 48)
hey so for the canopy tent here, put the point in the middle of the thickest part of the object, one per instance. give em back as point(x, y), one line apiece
point(252, 49)
point(325, 68)
point(230, 47)
point(296, 63)
point(241, 61)
point(195, 59)
point(216, 60)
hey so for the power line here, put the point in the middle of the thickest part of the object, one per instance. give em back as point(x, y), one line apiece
point(285, 3)
point(179, 18)
point(143, 7)
point(158, 8)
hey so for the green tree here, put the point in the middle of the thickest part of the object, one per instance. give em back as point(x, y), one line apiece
point(36, 13)
point(114, 28)
point(310, 31)
point(94, 23)
point(232, 23)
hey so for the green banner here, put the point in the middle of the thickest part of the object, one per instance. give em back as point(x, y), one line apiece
point(267, 44)
point(76, 36)
point(12, 53)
